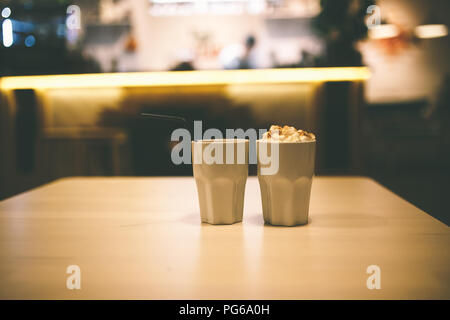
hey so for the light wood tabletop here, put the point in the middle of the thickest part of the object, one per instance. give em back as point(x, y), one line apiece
point(141, 238)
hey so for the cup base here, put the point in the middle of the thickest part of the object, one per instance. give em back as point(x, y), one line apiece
point(286, 224)
point(221, 223)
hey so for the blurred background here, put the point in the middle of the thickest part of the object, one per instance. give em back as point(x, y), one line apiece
point(370, 78)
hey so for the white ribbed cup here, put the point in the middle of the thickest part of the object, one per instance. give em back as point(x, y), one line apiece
point(285, 194)
point(221, 187)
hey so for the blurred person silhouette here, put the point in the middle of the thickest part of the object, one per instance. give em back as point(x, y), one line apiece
point(239, 56)
point(185, 61)
point(438, 110)
point(307, 59)
point(183, 66)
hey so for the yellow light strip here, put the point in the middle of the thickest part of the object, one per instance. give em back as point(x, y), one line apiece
point(429, 31)
point(384, 31)
point(185, 78)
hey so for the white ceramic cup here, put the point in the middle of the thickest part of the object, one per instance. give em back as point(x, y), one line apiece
point(220, 170)
point(285, 194)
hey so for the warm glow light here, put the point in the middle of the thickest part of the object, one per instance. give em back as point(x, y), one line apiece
point(383, 31)
point(185, 78)
point(7, 33)
point(185, 1)
point(431, 31)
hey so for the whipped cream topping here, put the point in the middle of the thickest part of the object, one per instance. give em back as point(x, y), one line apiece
point(287, 134)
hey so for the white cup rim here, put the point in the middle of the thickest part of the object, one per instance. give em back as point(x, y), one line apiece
point(282, 142)
point(220, 141)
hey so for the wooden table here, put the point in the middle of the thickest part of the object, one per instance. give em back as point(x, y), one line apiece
point(142, 238)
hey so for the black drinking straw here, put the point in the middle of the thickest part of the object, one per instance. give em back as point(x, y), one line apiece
point(171, 118)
